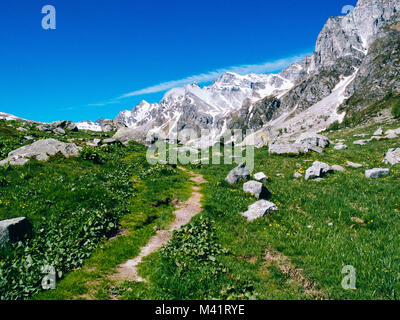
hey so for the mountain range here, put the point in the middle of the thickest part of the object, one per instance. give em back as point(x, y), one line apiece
point(355, 55)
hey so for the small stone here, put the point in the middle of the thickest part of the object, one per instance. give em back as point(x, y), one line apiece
point(340, 146)
point(378, 132)
point(354, 165)
point(297, 175)
point(260, 176)
point(361, 142)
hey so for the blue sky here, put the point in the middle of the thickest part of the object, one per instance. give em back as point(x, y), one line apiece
point(108, 55)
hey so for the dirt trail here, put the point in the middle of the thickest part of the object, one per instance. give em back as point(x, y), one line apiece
point(184, 213)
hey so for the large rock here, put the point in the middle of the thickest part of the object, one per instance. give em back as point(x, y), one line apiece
point(257, 189)
point(315, 140)
point(392, 157)
point(112, 125)
point(378, 132)
point(377, 173)
point(14, 230)
point(124, 135)
point(40, 150)
point(241, 172)
point(318, 170)
point(393, 131)
point(259, 209)
point(64, 124)
point(391, 136)
point(288, 149)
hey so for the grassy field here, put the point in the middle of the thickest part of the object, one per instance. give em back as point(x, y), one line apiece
point(296, 253)
point(321, 227)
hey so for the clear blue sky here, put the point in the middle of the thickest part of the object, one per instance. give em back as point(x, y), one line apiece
point(104, 49)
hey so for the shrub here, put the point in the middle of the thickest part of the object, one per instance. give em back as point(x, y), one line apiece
point(396, 109)
point(91, 154)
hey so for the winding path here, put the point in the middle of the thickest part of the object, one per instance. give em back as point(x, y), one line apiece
point(184, 213)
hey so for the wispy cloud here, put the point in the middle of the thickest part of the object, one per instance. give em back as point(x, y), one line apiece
point(266, 67)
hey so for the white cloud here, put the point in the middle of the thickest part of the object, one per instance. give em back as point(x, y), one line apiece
point(210, 76)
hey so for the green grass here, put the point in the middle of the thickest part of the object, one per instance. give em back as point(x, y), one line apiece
point(220, 255)
point(75, 205)
point(372, 247)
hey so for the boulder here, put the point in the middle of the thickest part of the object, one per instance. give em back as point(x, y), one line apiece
point(377, 138)
point(392, 157)
point(14, 230)
point(41, 150)
point(377, 173)
point(391, 136)
point(317, 170)
point(112, 125)
point(21, 129)
point(354, 165)
point(241, 172)
point(59, 131)
point(313, 140)
point(336, 167)
point(260, 176)
point(257, 189)
point(393, 131)
point(259, 209)
point(288, 149)
point(64, 124)
point(378, 132)
point(124, 135)
point(361, 142)
point(340, 146)
point(45, 128)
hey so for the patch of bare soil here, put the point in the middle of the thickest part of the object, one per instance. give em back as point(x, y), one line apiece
point(295, 274)
point(184, 213)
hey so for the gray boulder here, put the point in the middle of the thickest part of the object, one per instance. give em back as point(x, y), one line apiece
point(376, 173)
point(391, 136)
point(313, 140)
point(124, 135)
point(260, 176)
point(257, 189)
point(317, 170)
point(340, 146)
point(354, 165)
point(14, 230)
point(288, 149)
point(259, 209)
point(241, 172)
point(59, 131)
point(361, 142)
point(40, 150)
point(336, 167)
point(393, 131)
point(392, 157)
point(378, 132)
point(110, 141)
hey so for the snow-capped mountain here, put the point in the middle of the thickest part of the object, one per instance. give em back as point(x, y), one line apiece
point(306, 96)
point(204, 108)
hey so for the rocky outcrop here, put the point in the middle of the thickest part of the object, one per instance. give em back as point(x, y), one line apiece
point(40, 150)
point(259, 209)
point(14, 230)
